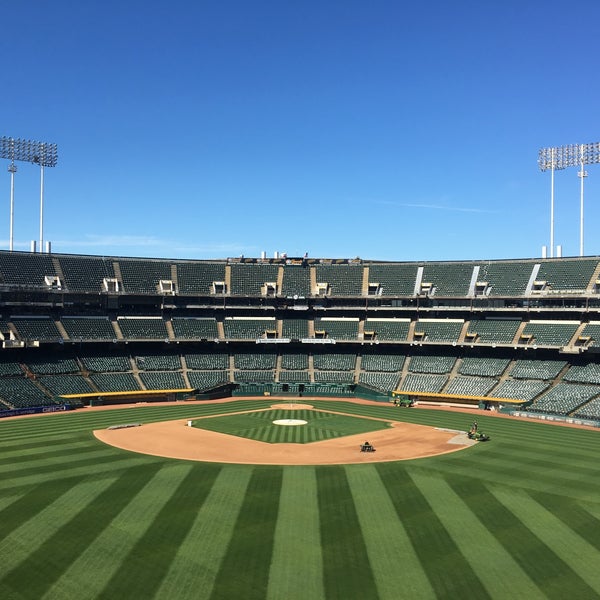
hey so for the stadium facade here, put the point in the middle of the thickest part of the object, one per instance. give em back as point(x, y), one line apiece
point(514, 335)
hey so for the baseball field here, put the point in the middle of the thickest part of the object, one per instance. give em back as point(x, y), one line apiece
point(515, 517)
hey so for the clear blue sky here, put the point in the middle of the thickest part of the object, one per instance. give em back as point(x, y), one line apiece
point(387, 130)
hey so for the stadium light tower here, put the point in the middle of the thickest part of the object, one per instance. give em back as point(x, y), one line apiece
point(561, 157)
point(38, 153)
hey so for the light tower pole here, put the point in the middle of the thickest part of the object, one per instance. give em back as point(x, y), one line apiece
point(561, 157)
point(39, 153)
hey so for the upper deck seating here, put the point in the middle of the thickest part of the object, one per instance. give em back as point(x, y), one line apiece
point(568, 275)
point(248, 279)
point(144, 276)
point(394, 280)
point(26, 269)
point(86, 273)
point(508, 278)
point(448, 279)
point(296, 281)
point(196, 328)
point(197, 278)
point(343, 280)
point(88, 328)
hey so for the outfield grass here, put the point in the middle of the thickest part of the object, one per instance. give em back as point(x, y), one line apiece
point(320, 425)
point(517, 517)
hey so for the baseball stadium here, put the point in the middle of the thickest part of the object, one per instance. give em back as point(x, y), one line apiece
point(298, 428)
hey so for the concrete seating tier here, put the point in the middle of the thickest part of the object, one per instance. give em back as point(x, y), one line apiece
point(294, 362)
point(438, 330)
point(392, 330)
point(143, 276)
point(294, 329)
point(65, 384)
point(105, 364)
point(490, 331)
point(519, 389)
point(334, 362)
point(163, 380)
point(334, 376)
point(47, 366)
point(158, 362)
point(589, 373)
point(143, 328)
point(249, 361)
point(248, 329)
point(206, 380)
point(418, 382)
point(20, 392)
point(470, 386)
point(254, 376)
point(564, 398)
point(10, 368)
point(382, 362)
point(386, 382)
point(88, 328)
point(548, 333)
point(42, 329)
point(484, 367)
point(431, 364)
point(337, 328)
point(537, 369)
point(195, 328)
point(115, 382)
point(207, 361)
point(294, 377)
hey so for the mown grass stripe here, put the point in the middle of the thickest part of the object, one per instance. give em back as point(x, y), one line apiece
point(193, 570)
point(346, 568)
point(435, 548)
point(141, 573)
point(34, 534)
point(251, 546)
point(489, 560)
point(87, 575)
point(65, 449)
point(297, 565)
point(552, 575)
point(574, 551)
point(396, 569)
point(29, 505)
